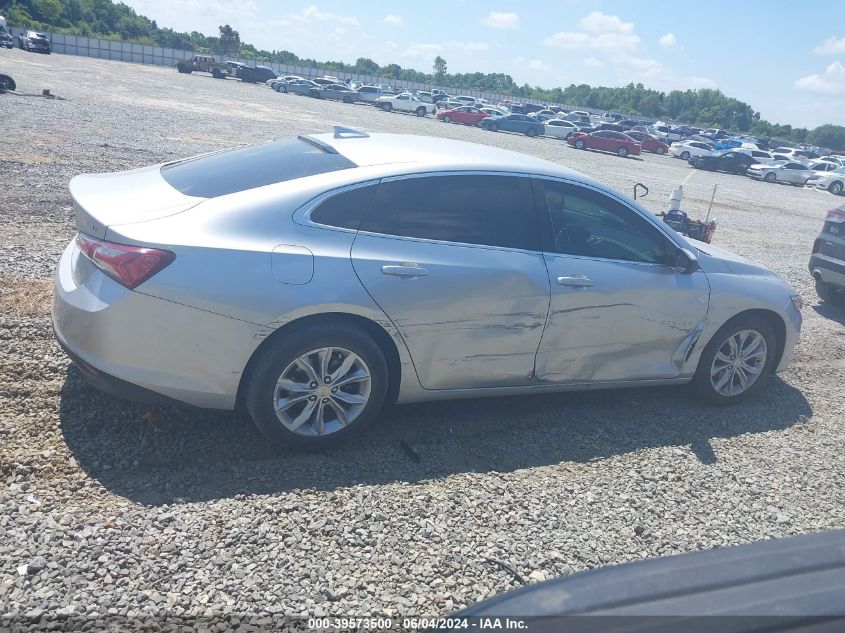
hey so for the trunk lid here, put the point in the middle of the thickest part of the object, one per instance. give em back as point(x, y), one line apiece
point(105, 200)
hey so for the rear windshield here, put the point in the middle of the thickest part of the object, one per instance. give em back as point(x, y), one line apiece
point(250, 167)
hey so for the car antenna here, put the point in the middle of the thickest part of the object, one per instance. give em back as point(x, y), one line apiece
point(341, 131)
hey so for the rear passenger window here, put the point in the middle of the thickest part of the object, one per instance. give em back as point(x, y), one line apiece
point(346, 209)
point(484, 210)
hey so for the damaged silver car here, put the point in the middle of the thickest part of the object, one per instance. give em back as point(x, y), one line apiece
point(314, 279)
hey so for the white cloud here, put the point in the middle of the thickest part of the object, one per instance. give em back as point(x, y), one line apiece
point(507, 21)
point(423, 51)
point(592, 62)
point(598, 22)
point(668, 40)
point(428, 51)
point(530, 64)
point(831, 81)
point(314, 14)
point(394, 20)
point(573, 40)
point(468, 46)
point(831, 46)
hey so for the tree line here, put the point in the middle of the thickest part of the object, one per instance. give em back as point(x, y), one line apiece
point(705, 107)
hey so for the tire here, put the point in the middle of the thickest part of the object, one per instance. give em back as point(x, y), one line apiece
point(387, 107)
point(830, 293)
point(580, 144)
point(216, 73)
point(421, 112)
point(277, 361)
point(7, 84)
point(684, 156)
point(835, 188)
point(770, 177)
point(622, 152)
point(703, 384)
point(447, 119)
point(531, 132)
point(660, 150)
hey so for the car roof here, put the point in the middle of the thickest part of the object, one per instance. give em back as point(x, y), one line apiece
point(425, 153)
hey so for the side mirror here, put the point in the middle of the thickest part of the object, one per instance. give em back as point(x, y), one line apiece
point(686, 262)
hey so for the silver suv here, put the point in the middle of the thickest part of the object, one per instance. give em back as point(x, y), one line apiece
point(827, 263)
point(313, 279)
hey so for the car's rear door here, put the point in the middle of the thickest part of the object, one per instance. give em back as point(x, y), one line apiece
point(619, 311)
point(453, 260)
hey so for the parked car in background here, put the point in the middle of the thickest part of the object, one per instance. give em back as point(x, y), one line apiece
point(606, 141)
point(326, 80)
point(405, 102)
point(438, 95)
point(731, 161)
point(838, 160)
point(6, 40)
point(255, 74)
point(466, 270)
point(34, 41)
point(337, 92)
point(303, 87)
point(465, 100)
point(648, 143)
point(370, 94)
point(467, 115)
point(761, 156)
point(791, 172)
point(686, 150)
point(494, 111)
point(832, 181)
point(544, 115)
point(521, 123)
point(605, 126)
point(560, 128)
point(827, 262)
point(424, 96)
point(278, 84)
point(821, 166)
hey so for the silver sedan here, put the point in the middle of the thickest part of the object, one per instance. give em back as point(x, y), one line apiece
point(313, 279)
point(790, 172)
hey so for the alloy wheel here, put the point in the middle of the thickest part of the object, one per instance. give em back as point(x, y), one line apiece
point(322, 391)
point(738, 363)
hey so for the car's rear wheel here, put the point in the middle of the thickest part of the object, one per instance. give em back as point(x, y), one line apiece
point(770, 177)
point(735, 362)
point(622, 152)
point(7, 84)
point(835, 187)
point(660, 150)
point(684, 155)
point(420, 111)
point(531, 132)
point(447, 119)
point(317, 387)
point(579, 144)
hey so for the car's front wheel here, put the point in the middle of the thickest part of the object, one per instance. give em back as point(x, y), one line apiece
point(660, 150)
point(622, 152)
point(387, 107)
point(770, 177)
point(420, 111)
point(579, 144)
point(447, 119)
point(684, 155)
point(835, 187)
point(317, 386)
point(735, 361)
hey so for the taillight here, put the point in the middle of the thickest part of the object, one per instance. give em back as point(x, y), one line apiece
point(127, 265)
point(817, 245)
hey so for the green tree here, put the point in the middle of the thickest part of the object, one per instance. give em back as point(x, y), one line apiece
point(831, 136)
point(439, 69)
point(366, 66)
point(48, 10)
point(230, 40)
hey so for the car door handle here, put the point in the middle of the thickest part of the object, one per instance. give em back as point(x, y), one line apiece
point(575, 280)
point(404, 270)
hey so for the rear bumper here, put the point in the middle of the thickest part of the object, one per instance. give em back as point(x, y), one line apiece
point(144, 348)
point(829, 270)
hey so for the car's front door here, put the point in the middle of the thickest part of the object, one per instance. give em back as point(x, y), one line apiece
point(454, 262)
point(619, 310)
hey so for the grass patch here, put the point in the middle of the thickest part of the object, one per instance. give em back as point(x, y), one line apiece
point(21, 296)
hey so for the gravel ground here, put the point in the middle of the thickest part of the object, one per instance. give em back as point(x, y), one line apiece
point(110, 511)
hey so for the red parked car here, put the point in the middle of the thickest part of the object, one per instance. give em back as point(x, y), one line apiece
point(647, 142)
point(605, 140)
point(467, 115)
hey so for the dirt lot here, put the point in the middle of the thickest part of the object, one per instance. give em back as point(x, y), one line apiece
point(111, 511)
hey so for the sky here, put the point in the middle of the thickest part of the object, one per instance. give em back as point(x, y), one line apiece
point(786, 63)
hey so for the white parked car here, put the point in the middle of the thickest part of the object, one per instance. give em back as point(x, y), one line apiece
point(465, 100)
point(687, 149)
point(759, 155)
point(821, 166)
point(560, 128)
point(405, 102)
point(544, 115)
point(791, 172)
point(838, 160)
point(495, 111)
point(832, 181)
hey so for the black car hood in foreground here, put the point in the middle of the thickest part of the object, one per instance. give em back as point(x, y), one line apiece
point(791, 584)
